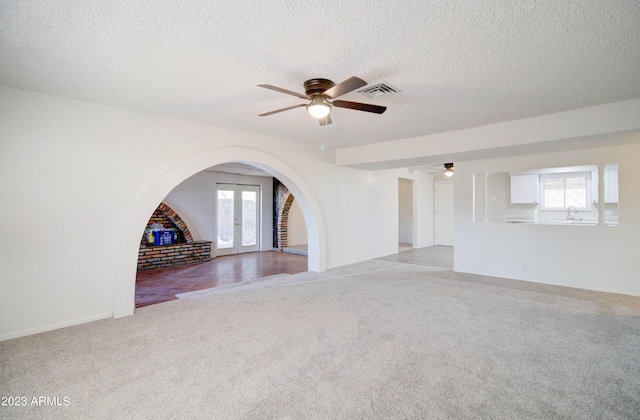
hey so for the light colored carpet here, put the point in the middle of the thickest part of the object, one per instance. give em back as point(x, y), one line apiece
point(434, 256)
point(379, 340)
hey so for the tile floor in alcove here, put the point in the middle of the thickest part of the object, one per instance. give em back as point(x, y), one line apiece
point(162, 284)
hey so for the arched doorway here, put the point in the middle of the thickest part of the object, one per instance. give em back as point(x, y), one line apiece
point(123, 279)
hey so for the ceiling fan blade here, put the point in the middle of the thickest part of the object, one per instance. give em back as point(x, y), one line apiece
point(347, 86)
point(376, 109)
point(281, 110)
point(326, 120)
point(288, 92)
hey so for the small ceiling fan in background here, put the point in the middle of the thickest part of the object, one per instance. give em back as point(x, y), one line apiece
point(447, 170)
point(323, 93)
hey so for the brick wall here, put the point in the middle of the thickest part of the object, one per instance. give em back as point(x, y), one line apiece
point(176, 254)
point(159, 217)
point(282, 204)
point(184, 251)
point(169, 219)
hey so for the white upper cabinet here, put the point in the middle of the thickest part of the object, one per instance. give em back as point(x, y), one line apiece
point(525, 189)
point(610, 186)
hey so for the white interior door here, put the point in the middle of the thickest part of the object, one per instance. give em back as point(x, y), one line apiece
point(444, 213)
point(237, 218)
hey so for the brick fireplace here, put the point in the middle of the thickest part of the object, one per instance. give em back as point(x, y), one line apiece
point(183, 251)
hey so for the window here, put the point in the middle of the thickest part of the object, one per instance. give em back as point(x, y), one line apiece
point(559, 191)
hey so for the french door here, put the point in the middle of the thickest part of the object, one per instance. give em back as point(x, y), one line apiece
point(237, 218)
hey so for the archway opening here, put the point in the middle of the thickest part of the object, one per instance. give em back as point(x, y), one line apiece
point(123, 290)
point(230, 208)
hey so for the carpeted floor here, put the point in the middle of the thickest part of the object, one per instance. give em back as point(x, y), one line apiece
point(381, 339)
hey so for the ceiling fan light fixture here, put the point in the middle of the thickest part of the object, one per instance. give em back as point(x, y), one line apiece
point(448, 170)
point(318, 108)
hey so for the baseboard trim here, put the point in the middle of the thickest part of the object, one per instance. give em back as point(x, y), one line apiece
point(56, 326)
point(569, 286)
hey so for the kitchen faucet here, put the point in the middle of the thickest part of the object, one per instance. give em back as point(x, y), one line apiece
point(571, 213)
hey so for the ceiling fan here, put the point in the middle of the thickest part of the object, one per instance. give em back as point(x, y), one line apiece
point(323, 93)
point(447, 170)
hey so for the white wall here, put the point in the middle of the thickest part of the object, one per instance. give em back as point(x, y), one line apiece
point(296, 229)
point(78, 182)
point(591, 257)
point(194, 201)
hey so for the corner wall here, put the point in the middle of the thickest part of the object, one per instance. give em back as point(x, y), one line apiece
point(602, 258)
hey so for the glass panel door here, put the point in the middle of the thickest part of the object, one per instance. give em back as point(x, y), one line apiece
point(249, 218)
point(237, 219)
point(226, 217)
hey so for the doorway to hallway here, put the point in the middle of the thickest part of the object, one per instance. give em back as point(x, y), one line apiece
point(405, 215)
point(444, 213)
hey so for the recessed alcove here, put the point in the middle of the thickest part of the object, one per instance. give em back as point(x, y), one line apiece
point(184, 250)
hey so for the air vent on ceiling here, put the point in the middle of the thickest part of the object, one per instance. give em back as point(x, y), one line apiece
point(380, 89)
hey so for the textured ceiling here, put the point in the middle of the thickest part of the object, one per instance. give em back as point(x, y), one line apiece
point(459, 64)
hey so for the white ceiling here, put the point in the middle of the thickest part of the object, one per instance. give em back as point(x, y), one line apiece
point(459, 64)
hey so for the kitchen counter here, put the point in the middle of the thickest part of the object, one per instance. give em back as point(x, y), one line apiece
point(581, 222)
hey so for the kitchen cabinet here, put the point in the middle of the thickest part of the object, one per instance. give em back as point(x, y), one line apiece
point(525, 189)
point(610, 186)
